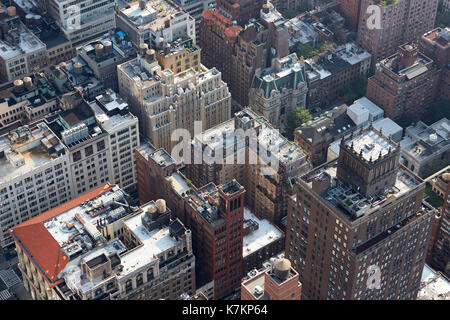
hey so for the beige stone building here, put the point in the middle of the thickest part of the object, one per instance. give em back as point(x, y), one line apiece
point(106, 251)
point(266, 189)
point(179, 55)
point(164, 101)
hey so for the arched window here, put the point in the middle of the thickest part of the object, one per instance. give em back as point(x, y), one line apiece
point(149, 274)
point(139, 280)
point(128, 286)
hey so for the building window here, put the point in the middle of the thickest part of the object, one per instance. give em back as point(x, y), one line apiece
point(77, 156)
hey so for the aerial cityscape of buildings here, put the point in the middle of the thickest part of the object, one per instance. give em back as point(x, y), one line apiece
point(246, 150)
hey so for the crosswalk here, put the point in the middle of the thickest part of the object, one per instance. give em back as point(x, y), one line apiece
point(9, 277)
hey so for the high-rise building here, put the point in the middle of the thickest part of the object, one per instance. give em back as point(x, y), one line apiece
point(146, 21)
point(103, 56)
point(214, 214)
point(357, 227)
point(179, 56)
point(217, 36)
point(350, 9)
point(113, 116)
point(278, 90)
point(277, 282)
point(392, 24)
point(165, 101)
point(261, 40)
point(82, 20)
point(262, 37)
point(100, 138)
point(266, 190)
point(404, 83)
point(21, 52)
point(96, 247)
point(436, 45)
point(440, 253)
point(33, 175)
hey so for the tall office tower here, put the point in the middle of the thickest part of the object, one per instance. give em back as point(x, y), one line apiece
point(440, 253)
point(357, 228)
point(276, 282)
point(95, 247)
point(146, 21)
point(33, 175)
point(350, 10)
point(401, 22)
point(267, 190)
point(81, 20)
point(165, 101)
point(436, 45)
point(404, 83)
point(278, 90)
point(100, 138)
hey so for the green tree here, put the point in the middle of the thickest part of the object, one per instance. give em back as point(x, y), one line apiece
point(295, 119)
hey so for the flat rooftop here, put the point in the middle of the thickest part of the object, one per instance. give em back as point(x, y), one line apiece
point(154, 16)
point(25, 149)
point(153, 243)
point(261, 237)
point(371, 144)
point(433, 286)
point(269, 137)
point(27, 44)
point(348, 201)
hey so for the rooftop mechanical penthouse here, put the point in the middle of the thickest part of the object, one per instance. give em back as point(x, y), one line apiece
point(97, 247)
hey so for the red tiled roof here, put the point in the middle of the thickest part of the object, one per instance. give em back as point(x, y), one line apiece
point(40, 246)
point(223, 22)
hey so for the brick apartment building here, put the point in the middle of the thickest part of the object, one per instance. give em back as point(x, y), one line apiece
point(328, 72)
point(350, 10)
point(214, 214)
point(404, 83)
point(359, 214)
point(440, 253)
point(436, 45)
point(401, 22)
point(239, 39)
